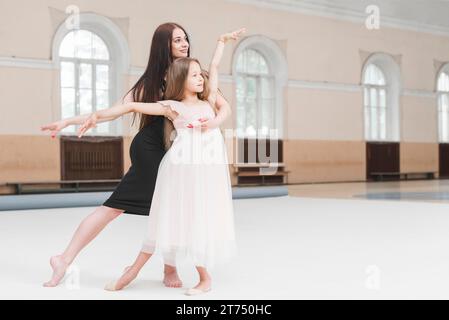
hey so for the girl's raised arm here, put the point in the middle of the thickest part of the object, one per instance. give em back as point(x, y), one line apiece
point(213, 67)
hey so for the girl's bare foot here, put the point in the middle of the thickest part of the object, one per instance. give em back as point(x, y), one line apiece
point(59, 266)
point(202, 287)
point(171, 279)
point(204, 284)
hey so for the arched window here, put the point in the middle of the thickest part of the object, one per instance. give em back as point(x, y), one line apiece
point(255, 94)
point(443, 105)
point(381, 89)
point(93, 59)
point(260, 73)
point(375, 103)
point(85, 76)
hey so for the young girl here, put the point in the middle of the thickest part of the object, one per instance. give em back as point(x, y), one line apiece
point(191, 214)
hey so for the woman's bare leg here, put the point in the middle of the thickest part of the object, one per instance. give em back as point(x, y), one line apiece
point(89, 228)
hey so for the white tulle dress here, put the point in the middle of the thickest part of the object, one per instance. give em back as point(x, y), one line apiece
point(191, 216)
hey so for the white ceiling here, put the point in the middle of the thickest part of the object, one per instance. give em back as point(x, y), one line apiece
point(434, 12)
point(423, 15)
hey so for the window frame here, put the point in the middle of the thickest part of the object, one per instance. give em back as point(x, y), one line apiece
point(369, 109)
point(390, 68)
point(277, 64)
point(242, 132)
point(112, 125)
point(119, 59)
point(440, 93)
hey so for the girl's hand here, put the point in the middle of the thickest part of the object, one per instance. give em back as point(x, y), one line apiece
point(90, 122)
point(232, 35)
point(54, 127)
point(204, 124)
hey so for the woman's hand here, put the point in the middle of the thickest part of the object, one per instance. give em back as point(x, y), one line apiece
point(169, 113)
point(54, 127)
point(91, 122)
point(232, 35)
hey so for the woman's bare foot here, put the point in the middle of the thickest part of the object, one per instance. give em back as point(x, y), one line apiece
point(59, 266)
point(171, 279)
point(128, 276)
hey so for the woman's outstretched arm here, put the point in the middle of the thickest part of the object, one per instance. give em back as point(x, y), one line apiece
point(161, 108)
point(57, 126)
point(154, 108)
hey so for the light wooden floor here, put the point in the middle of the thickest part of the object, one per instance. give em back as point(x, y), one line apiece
point(288, 248)
point(419, 190)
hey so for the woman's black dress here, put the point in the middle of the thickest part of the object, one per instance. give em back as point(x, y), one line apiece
point(135, 191)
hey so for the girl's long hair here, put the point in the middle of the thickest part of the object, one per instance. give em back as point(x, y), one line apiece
point(151, 85)
point(176, 79)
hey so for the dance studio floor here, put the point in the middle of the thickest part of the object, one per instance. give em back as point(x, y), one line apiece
point(299, 246)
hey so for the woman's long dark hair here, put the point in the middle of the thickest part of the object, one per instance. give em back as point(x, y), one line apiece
point(151, 85)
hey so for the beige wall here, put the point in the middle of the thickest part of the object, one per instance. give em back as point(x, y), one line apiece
point(315, 114)
point(26, 100)
point(323, 125)
point(324, 161)
point(28, 158)
point(419, 118)
point(419, 157)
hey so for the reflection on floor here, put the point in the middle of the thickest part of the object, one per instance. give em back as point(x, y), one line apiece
point(412, 190)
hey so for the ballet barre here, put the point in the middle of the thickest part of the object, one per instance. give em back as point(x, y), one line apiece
point(59, 186)
point(379, 176)
point(251, 173)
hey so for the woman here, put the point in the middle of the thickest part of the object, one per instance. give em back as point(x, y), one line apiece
point(135, 191)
